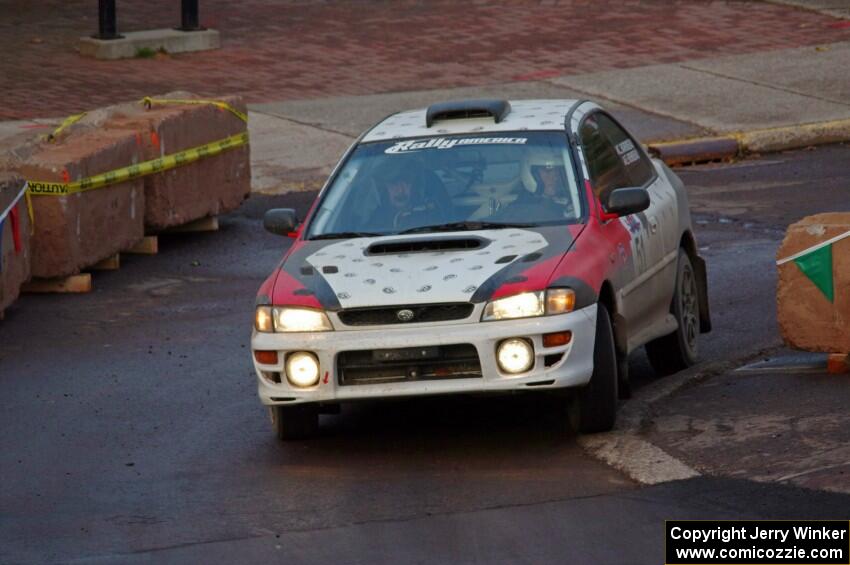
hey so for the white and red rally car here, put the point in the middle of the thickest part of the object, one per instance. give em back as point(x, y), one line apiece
point(481, 246)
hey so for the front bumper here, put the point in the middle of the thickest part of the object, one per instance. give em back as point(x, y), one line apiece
point(573, 369)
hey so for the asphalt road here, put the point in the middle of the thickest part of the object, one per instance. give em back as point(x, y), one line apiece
point(130, 429)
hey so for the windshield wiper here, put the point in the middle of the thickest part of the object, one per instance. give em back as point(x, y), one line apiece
point(467, 226)
point(346, 234)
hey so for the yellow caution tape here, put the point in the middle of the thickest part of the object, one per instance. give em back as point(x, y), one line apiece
point(148, 101)
point(146, 168)
point(70, 120)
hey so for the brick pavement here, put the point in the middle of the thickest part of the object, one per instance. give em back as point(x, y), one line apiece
point(282, 50)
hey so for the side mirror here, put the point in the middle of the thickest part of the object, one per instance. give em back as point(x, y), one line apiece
point(625, 201)
point(280, 221)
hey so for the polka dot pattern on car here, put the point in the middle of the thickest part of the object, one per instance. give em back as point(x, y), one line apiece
point(417, 278)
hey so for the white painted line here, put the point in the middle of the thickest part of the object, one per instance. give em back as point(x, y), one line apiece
point(810, 471)
point(636, 457)
point(14, 202)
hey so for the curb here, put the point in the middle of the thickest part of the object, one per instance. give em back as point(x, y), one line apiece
point(738, 144)
point(698, 150)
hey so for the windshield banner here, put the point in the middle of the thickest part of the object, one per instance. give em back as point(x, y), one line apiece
point(411, 146)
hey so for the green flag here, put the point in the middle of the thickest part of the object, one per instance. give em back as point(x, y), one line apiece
point(817, 265)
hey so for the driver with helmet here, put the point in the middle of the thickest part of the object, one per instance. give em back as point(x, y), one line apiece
point(545, 172)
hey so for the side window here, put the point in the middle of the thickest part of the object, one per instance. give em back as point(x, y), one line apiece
point(604, 164)
point(638, 167)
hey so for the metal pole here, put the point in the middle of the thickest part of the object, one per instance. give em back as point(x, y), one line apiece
point(107, 24)
point(189, 16)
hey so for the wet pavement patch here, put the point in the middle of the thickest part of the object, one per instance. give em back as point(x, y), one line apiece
point(798, 361)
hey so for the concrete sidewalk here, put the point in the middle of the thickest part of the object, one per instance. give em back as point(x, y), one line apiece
point(296, 143)
point(774, 90)
point(834, 8)
point(770, 100)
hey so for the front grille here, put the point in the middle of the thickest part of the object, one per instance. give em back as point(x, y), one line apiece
point(386, 315)
point(408, 364)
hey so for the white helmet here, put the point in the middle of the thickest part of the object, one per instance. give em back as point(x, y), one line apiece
point(537, 160)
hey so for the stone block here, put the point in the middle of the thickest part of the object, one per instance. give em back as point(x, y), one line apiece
point(14, 265)
point(210, 186)
point(807, 319)
point(78, 230)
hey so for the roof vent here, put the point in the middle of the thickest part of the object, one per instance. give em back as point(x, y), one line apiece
point(464, 109)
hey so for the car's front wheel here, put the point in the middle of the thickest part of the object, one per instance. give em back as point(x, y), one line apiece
point(594, 406)
point(678, 350)
point(300, 421)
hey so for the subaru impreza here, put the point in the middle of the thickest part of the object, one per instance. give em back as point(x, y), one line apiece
point(481, 246)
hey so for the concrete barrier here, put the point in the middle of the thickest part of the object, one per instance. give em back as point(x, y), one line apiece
point(78, 230)
point(813, 298)
point(74, 231)
point(207, 187)
point(14, 257)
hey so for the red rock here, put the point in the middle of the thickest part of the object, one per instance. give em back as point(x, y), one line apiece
point(78, 230)
point(207, 187)
point(807, 319)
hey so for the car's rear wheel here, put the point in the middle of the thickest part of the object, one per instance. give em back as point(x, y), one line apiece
point(300, 421)
point(594, 406)
point(678, 350)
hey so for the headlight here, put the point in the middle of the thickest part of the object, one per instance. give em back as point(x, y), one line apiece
point(285, 319)
point(530, 304)
point(523, 305)
point(300, 320)
point(515, 356)
point(302, 369)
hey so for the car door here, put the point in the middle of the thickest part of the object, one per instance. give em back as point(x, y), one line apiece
point(616, 160)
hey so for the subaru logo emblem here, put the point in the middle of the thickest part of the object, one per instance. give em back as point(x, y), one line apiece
point(404, 315)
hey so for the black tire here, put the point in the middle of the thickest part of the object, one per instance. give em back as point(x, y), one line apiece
point(624, 382)
point(300, 421)
point(678, 350)
point(595, 405)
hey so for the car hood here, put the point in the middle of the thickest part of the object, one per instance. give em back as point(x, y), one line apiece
point(469, 266)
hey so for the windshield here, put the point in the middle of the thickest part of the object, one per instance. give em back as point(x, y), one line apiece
point(451, 182)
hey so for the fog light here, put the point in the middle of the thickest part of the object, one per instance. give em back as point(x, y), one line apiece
point(515, 356)
point(557, 339)
point(266, 357)
point(302, 369)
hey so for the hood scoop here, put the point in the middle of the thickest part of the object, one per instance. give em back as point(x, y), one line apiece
point(426, 245)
